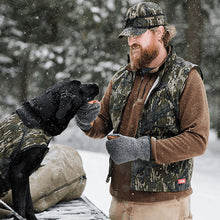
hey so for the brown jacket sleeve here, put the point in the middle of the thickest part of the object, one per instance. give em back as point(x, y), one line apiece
point(102, 125)
point(194, 124)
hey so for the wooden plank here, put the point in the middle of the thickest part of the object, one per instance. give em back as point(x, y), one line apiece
point(78, 209)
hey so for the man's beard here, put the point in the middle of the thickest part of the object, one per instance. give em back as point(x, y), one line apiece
point(141, 57)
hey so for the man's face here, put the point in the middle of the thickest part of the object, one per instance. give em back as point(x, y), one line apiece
point(143, 50)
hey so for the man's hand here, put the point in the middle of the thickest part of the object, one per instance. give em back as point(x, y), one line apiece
point(87, 114)
point(124, 149)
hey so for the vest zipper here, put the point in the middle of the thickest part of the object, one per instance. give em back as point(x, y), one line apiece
point(142, 79)
point(155, 85)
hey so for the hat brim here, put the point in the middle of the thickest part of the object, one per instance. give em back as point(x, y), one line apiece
point(130, 31)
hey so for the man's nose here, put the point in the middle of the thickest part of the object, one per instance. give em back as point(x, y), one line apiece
point(131, 40)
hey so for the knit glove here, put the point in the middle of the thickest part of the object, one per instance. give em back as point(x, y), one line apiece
point(87, 114)
point(124, 149)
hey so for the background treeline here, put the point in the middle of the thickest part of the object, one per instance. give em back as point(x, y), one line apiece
point(43, 42)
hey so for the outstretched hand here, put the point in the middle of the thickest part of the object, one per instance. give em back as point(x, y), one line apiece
point(87, 114)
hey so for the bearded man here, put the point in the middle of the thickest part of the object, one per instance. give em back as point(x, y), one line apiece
point(157, 108)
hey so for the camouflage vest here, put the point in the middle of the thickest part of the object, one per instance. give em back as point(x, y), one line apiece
point(16, 138)
point(160, 119)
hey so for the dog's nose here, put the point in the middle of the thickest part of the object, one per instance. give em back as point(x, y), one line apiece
point(95, 86)
point(92, 87)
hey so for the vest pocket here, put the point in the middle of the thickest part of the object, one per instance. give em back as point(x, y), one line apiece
point(152, 177)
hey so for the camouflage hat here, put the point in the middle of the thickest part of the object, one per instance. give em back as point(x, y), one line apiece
point(143, 16)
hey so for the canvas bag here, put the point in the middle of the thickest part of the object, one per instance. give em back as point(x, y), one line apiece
point(61, 177)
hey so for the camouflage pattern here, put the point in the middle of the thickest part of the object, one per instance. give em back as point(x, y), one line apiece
point(160, 119)
point(16, 138)
point(141, 17)
point(152, 177)
point(121, 89)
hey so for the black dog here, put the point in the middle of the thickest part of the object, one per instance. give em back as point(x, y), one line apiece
point(25, 136)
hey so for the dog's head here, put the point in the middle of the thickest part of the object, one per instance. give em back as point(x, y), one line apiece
point(58, 105)
point(72, 95)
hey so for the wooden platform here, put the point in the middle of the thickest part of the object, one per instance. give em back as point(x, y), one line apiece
point(79, 209)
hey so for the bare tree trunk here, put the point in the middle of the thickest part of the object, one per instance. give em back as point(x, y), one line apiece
point(194, 30)
point(170, 9)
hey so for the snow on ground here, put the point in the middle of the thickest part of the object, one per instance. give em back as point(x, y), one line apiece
point(205, 182)
point(96, 190)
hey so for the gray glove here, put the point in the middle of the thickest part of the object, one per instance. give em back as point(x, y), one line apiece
point(123, 149)
point(87, 114)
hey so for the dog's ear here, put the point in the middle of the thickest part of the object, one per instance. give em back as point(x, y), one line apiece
point(64, 107)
